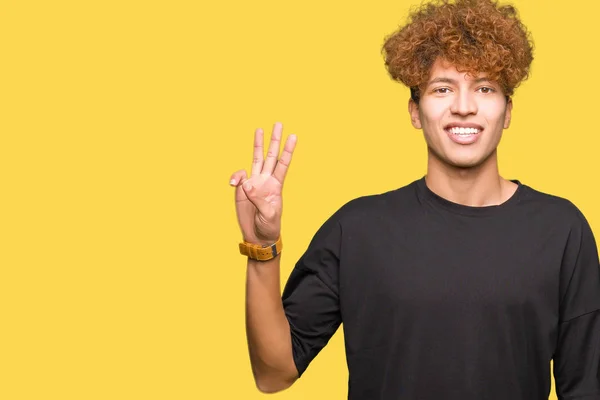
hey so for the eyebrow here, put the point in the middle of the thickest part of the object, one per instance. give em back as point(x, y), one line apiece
point(454, 82)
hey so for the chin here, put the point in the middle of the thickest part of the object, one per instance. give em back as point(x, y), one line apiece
point(466, 162)
point(464, 165)
point(465, 159)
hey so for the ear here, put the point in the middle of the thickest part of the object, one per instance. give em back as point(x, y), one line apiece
point(413, 110)
point(508, 113)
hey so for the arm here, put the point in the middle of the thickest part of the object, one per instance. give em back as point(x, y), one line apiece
point(267, 328)
point(577, 355)
point(258, 201)
point(285, 331)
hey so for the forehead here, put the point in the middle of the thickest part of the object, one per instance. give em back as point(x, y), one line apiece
point(444, 70)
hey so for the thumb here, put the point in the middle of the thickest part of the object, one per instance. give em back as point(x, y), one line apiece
point(237, 179)
point(259, 202)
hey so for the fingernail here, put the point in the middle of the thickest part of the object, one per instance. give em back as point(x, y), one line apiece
point(232, 182)
point(247, 186)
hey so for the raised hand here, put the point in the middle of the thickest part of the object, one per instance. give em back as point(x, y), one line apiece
point(258, 199)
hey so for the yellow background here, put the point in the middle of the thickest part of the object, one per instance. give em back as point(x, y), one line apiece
point(120, 124)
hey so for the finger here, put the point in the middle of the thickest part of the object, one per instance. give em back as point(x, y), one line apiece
point(273, 153)
point(236, 177)
point(257, 159)
point(236, 180)
point(285, 159)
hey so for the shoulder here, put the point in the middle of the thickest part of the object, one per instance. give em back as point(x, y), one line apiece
point(548, 205)
point(377, 206)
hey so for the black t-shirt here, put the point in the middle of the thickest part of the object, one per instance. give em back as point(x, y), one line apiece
point(446, 301)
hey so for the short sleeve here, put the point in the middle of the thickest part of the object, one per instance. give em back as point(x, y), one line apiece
point(577, 355)
point(311, 295)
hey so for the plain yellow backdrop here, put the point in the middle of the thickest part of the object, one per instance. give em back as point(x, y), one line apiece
point(121, 122)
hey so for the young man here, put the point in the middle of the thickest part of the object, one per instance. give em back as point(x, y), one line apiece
point(462, 284)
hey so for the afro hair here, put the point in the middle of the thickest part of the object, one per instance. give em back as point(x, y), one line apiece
point(476, 36)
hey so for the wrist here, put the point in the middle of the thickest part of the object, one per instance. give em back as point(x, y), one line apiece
point(261, 252)
point(261, 242)
point(252, 263)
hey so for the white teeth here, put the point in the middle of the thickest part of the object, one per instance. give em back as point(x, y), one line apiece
point(464, 131)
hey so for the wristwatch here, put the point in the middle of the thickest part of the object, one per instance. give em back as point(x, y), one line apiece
point(261, 253)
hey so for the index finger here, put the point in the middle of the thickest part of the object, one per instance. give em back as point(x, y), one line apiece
point(286, 158)
point(258, 158)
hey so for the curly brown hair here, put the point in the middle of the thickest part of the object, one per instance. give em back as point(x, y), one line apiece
point(476, 36)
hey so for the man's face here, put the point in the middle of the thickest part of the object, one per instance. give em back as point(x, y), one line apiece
point(462, 117)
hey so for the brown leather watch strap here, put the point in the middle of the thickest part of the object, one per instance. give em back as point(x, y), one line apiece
point(261, 253)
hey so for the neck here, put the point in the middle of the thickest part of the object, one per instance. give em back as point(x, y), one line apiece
point(479, 186)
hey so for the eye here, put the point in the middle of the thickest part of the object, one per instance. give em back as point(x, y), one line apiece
point(442, 90)
point(486, 89)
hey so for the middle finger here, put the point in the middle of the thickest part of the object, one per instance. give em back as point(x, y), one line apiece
point(273, 153)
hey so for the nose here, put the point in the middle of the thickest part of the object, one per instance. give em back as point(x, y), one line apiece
point(464, 103)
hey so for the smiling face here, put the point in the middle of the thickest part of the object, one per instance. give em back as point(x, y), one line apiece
point(462, 117)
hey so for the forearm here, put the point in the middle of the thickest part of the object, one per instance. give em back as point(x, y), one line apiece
point(267, 328)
